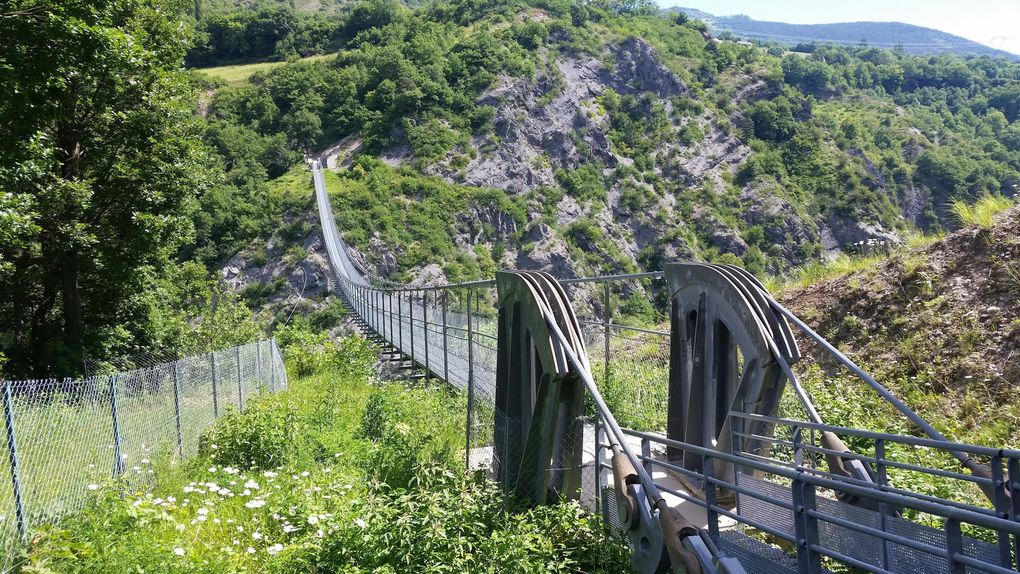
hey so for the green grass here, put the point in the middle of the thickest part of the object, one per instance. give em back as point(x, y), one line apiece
point(817, 271)
point(349, 475)
point(239, 74)
point(982, 213)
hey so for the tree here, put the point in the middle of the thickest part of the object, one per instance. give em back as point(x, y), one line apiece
point(98, 139)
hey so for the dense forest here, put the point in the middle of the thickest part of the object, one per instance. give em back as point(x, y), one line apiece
point(128, 175)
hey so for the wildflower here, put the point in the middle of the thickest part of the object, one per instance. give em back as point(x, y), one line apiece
point(269, 474)
point(255, 503)
point(180, 528)
point(145, 461)
point(214, 447)
point(361, 523)
point(313, 520)
point(240, 528)
point(246, 492)
point(275, 548)
point(251, 550)
point(305, 473)
point(251, 484)
point(171, 499)
point(319, 533)
point(256, 535)
point(203, 511)
point(212, 469)
point(179, 551)
point(92, 486)
point(288, 528)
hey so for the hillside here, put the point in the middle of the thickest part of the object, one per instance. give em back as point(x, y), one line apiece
point(464, 137)
point(908, 37)
point(599, 142)
point(940, 324)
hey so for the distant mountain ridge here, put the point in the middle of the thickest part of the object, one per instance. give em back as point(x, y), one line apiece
point(913, 39)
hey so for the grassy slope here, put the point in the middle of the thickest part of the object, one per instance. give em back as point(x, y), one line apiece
point(938, 323)
point(361, 477)
point(238, 74)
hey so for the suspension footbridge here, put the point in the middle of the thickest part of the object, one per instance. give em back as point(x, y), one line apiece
point(710, 472)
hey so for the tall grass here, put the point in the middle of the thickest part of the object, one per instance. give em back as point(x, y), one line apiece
point(817, 271)
point(339, 473)
point(982, 213)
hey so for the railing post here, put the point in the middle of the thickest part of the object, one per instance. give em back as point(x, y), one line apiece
point(446, 344)
point(175, 375)
point(708, 470)
point(881, 479)
point(805, 527)
point(410, 320)
point(118, 460)
point(12, 452)
point(215, 397)
point(598, 465)
point(425, 331)
point(646, 455)
point(954, 546)
point(400, 323)
point(1002, 510)
point(390, 297)
point(240, 389)
point(470, 385)
point(1014, 495)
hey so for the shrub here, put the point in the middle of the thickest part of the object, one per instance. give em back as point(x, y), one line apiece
point(261, 436)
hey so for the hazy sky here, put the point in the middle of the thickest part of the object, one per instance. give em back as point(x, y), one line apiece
point(995, 23)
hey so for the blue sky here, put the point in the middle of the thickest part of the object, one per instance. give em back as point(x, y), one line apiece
point(995, 23)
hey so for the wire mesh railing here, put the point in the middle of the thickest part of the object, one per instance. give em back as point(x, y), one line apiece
point(66, 437)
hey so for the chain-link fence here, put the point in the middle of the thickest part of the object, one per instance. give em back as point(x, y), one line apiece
point(65, 437)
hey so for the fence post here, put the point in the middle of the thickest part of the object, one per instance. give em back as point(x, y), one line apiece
point(470, 385)
point(177, 406)
point(605, 326)
point(390, 297)
point(598, 466)
point(260, 373)
point(272, 364)
point(215, 398)
point(118, 460)
point(400, 322)
point(446, 348)
point(12, 451)
point(240, 390)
